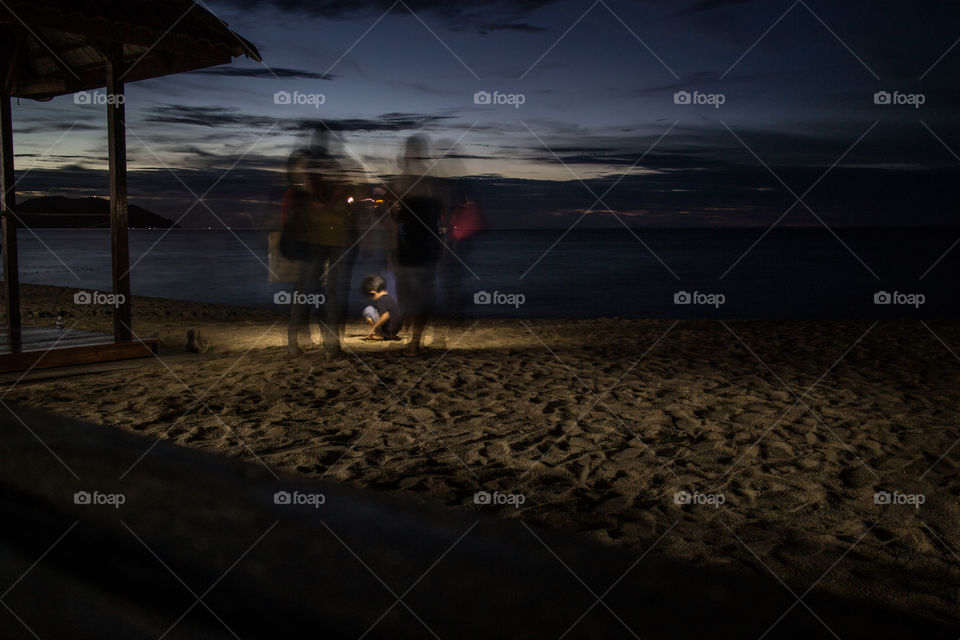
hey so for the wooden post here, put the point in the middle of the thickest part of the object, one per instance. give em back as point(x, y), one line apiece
point(11, 267)
point(119, 244)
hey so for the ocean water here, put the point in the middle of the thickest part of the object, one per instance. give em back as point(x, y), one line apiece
point(788, 273)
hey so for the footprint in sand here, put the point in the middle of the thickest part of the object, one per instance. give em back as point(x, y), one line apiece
point(554, 406)
point(496, 450)
point(857, 477)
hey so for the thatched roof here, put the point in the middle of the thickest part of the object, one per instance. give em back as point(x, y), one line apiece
point(54, 47)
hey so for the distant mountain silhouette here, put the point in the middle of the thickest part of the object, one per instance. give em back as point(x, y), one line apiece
point(56, 212)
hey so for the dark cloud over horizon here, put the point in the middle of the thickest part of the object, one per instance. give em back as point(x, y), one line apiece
point(263, 72)
point(517, 26)
point(475, 15)
point(227, 117)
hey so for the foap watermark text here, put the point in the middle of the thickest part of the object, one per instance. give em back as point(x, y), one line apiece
point(297, 98)
point(96, 498)
point(498, 499)
point(886, 498)
point(897, 298)
point(699, 298)
point(498, 298)
point(100, 298)
point(709, 499)
point(496, 98)
point(915, 100)
point(98, 98)
point(714, 100)
point(298, 297)
point(296, 498)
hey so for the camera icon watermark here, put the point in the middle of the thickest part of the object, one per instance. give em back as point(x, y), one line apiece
point(98, 297)
point(714, 100)
point(497, 98)
point(486, 498)
point(297, 297)
point(97, 98)
point(908, 299)
point(886, 498)
point(299, 99)
point(710, 499)
point(512, 299)
point(298, 499)
point(114, 500)
point(698, 298)
point(915, 100)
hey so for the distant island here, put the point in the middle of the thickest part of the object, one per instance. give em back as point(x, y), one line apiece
point(56, 212)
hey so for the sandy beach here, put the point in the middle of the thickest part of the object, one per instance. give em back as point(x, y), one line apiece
point(760, 446)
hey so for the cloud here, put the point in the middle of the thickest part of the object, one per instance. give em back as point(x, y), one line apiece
point(702, 6)
point(387, 122)
point(264, 72)
point(353, 8)
point(483, 15)
point(230, 117)
point(505, 26)
point(217, 117)
point(55, 123)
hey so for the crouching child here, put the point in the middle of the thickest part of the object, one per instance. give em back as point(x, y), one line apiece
point(383, 314)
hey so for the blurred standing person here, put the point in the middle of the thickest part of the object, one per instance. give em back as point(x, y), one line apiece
point(462, 222)
point(295, 218)
point(419, 246)
point(324, 230)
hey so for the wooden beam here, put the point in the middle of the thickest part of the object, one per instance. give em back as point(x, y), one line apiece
point(68, 356)
point(119, 243)
point(11, 267)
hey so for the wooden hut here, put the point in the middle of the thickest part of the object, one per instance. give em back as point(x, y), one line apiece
point(50, 48)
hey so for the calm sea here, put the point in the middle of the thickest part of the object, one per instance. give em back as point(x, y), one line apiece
point(788, 273)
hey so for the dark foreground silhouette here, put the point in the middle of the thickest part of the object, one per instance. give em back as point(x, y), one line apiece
point(201, 548)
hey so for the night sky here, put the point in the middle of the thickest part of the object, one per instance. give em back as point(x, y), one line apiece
point(599, 129)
